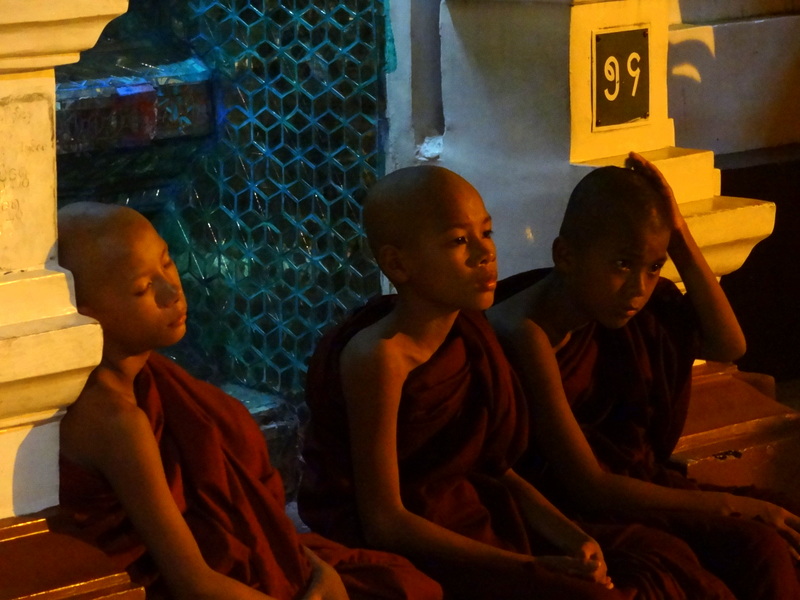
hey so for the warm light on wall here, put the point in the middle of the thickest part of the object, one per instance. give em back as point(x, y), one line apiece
point(702, 36)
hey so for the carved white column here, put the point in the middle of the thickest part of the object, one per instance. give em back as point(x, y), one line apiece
point(46, 348)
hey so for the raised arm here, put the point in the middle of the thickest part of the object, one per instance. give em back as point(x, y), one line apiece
point(558, 435)
point(722, 337)
point(112, 435)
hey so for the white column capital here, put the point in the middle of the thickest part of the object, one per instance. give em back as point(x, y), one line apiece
point(47, 349)
point(41, 34)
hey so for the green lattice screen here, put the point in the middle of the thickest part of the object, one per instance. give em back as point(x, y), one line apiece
point(257, 190)
point(268, 235)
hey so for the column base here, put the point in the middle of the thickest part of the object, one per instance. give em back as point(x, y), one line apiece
point(36, 562)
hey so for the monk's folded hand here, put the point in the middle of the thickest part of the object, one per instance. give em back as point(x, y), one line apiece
point(787, 523)
point(589, 551)
point(590, 570)
point(325, 583)
point(639, 163)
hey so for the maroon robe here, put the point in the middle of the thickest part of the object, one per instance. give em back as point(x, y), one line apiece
point(458, 430)
point(629, 387)
point(219, 472)
point(462, 422)
point(629, 391)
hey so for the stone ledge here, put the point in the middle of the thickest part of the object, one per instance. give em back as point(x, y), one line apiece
point(737, 434)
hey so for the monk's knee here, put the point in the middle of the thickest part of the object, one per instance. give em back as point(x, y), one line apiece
point(763, 567)
point(761, 543)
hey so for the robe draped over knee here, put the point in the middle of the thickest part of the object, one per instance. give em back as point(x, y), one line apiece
point(462, 421)
point(218, 470)
point(629, 390)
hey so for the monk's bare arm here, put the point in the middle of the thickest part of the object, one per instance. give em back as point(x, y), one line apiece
point(558, 435)
point(111, 435)
point(722, 337)
point(372, 378)
point(554, 526)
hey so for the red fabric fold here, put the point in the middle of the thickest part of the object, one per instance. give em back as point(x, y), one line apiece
point(220, 475)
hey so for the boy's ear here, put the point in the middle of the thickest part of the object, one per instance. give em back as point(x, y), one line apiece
point(391, 262)
point(563, 256)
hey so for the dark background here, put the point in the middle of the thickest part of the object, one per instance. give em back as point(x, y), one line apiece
point(765, 291)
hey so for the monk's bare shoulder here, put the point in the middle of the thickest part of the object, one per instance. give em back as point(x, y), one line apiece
point(100, 425)
point(509, 316)
point(375, 355)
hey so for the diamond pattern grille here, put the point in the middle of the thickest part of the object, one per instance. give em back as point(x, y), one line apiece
point(269, 239)
point(262, 217)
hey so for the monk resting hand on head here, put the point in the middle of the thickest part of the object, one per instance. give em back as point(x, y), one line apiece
point(416, 421)
point(604, 348)
point(166, 473)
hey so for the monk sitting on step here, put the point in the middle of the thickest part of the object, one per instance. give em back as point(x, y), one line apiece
point(604, 348)
point(169, 475)
point(417, 421)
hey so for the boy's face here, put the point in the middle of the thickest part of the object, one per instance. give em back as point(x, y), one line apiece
point(449, 253)
point(613, 277)
point(137, 295)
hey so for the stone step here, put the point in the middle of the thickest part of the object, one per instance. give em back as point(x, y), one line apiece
point(690, 172)
point(51, 288)
point(726, 228)
point(39, 562)
point(736, 433)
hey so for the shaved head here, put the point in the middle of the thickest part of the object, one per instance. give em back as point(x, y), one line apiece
point(609, 200)
point(401, 199)
point(91, 240)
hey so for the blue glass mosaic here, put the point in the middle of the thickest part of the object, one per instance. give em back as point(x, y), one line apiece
point(265, 134)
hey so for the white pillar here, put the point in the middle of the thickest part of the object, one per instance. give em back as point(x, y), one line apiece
point(47, 349)
point(526, 116)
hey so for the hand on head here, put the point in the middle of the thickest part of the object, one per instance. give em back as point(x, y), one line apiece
point(641, 165)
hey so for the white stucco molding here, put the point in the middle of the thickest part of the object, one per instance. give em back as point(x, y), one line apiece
point(41, 34)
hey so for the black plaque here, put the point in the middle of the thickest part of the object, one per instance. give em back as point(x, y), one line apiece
point(621, 77)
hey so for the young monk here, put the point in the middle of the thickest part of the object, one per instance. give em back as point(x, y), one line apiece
point(169, 475)
point(604, 348)
point(417, 419)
